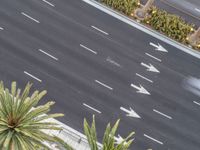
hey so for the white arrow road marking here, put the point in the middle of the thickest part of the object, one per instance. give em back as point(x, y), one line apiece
point(48, 3)
point(153, 57)
point(140, 89)
point(91, 108)
point(130, 113)
point(100, 30)
point(158, 47)
point(32, 76)
point(119, 139)
point(110, 88)
point(137, 74)
point(29, 17)
point(147, 136)
point(196, 103)
point(47, 54)
point(150, 67)
point(158, 112)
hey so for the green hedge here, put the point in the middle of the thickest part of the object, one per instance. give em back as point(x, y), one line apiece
point(169, 24)
point(125, 6)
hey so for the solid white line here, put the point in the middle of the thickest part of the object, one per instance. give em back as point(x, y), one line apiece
point(196, 103)
point(49, 3)
point(104, 85)
point(100, 30)
point(1, 28)
point(48, 54)
point(153, 57)
point(162, 114)
point(197, 9)
point(91, 108)
point(147, 136)
point(29, 17)
point(88, 49)
point(32, 76)
point(144, 77)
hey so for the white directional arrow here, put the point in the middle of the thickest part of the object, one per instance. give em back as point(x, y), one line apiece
point(140, 89)
point(130, 113)
point(158, 47)
point(150, 67)
point(118, 140)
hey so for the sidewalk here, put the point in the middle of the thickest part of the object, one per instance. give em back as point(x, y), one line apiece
point(75, 139)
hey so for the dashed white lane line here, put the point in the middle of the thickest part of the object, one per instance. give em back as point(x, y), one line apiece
point(100, 30)
point(90, 107)
point(47, 54)
point(81, 45)
point(197, 10)
point(48, 3)
point(29, 17)
point(162, 114)
point(144, 77)
point(1, 28)
point(103, 84)
point(157, 141)
point(32, 76)
point(196, 103)
point(153, 57)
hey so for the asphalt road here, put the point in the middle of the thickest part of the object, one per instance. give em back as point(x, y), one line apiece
point(189, 10)
point(84, 56)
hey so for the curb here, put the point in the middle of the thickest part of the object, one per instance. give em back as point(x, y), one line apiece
point(143, 28)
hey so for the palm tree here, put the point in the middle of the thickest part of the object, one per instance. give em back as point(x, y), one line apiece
point(22, 121)
point(108, 142)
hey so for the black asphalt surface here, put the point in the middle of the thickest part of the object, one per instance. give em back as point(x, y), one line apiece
point(70, 81)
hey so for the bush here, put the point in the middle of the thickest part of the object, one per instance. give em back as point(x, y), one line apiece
point(169, 24)
point(125, 6)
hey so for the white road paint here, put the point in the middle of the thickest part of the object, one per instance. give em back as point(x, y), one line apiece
point(32, 76)
point(108, 59)
point(130, 113)
point(158, 112)
point(197, 10)
point(150, 67)
point(144, 77)
point(153, 57)
point(47, 54)
point(100, 30)
point(158, 47)
point(118, 139)
point(81, 45)
point(90, 107)
point(1, 28)
point(157, 141)
point(48, 3)
point(29, 17)
point(103, 84)
point(140, 89)
point(196, 103)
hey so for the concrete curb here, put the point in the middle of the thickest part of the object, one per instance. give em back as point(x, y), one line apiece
point(143, 28)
